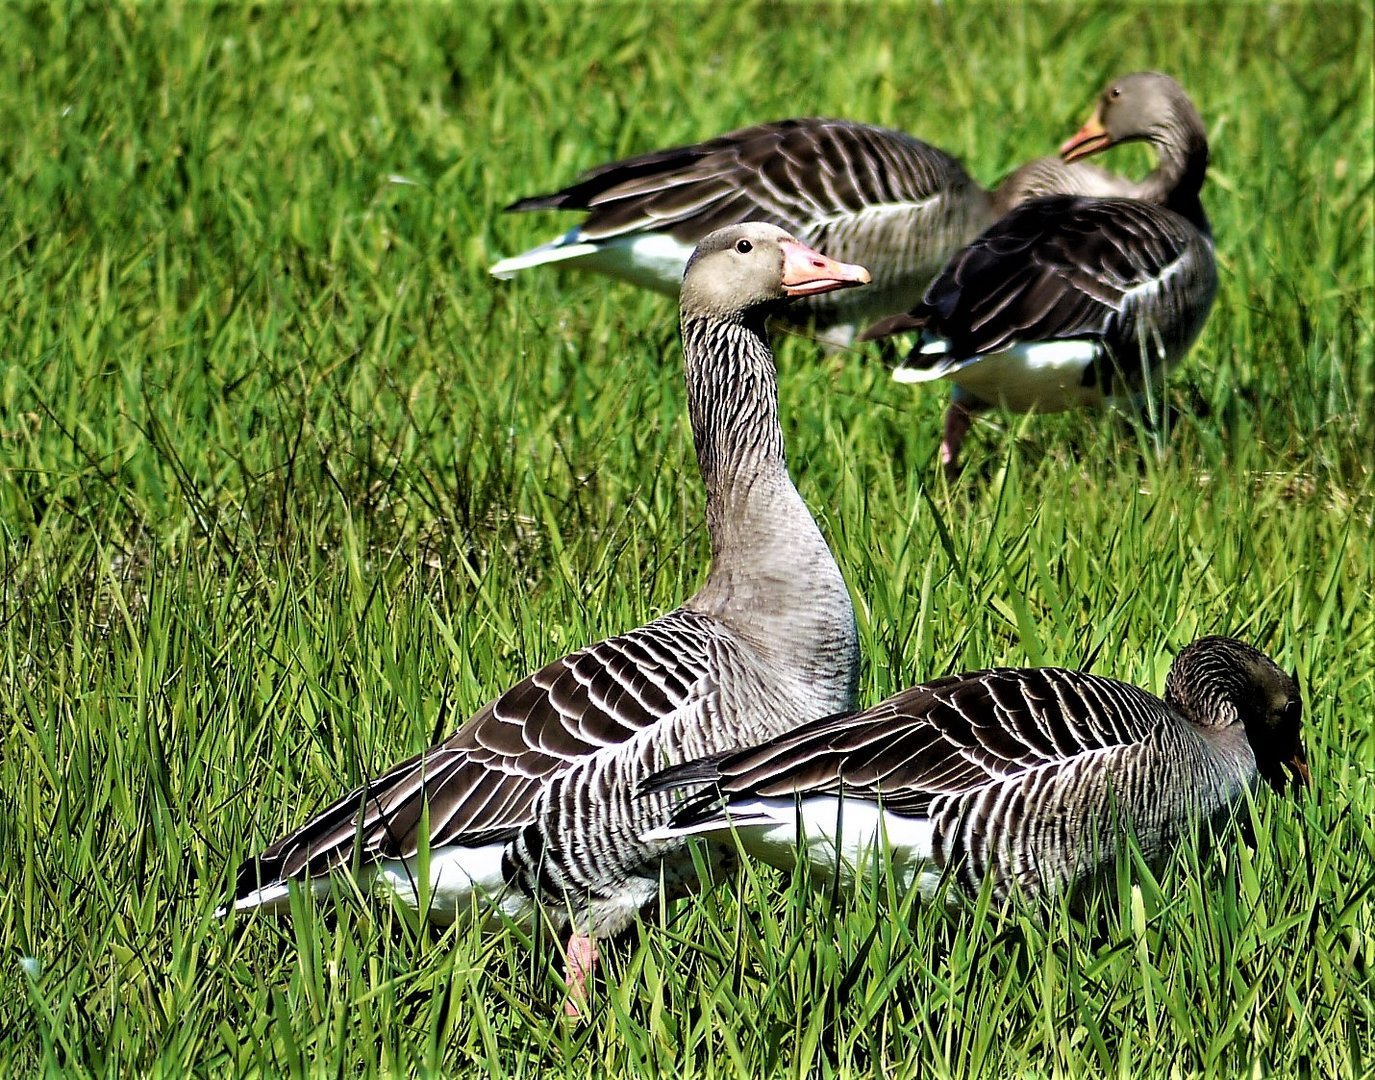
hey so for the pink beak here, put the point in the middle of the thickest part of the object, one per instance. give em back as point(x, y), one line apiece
point(809, 273)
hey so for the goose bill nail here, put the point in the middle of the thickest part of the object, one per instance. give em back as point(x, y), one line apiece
point(807, 272)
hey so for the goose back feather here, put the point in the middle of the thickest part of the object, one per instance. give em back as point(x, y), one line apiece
point(1130, 283)
point(1055, 176)
point(859, 192)
point(1070, 300)
point(1026, 777)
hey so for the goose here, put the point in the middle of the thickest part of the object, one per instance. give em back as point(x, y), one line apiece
point(1019, 778)
point(528, 808)
point(869, 194)
point(1070, 300)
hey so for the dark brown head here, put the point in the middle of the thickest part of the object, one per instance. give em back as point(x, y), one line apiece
point(1219, 681)
point(742, 268)
point(1144, 105)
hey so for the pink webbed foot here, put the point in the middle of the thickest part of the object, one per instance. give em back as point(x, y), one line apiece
point(959, 418)
point(581, 962)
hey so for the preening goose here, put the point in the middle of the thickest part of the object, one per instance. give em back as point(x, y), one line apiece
point(1070, 301)
point(531, 803)
point(1026, 777)
point(869, 194)
point(1056, 176)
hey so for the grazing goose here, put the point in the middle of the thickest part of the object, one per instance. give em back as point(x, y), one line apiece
point(1071, 301)
point(1021, 776)
point(530, 803)
point(862, 193)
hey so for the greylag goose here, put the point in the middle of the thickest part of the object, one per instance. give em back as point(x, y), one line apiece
point(1070, 300)
point(530, 805)
point(879, 197)
point(1023, 778)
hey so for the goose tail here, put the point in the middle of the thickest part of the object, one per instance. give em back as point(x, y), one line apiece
point(561, 250)
point(697, 814)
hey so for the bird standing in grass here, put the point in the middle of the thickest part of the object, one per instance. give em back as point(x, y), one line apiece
point(1024, 778)
point(868, 194)
point(529, 807)
point(1068, 300)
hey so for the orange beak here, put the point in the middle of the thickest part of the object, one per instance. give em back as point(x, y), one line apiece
point(1298, 764)
point(1291, 769)
point(809, 273)
point(1089, 139)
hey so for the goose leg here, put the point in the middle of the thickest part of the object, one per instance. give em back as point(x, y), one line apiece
point(578, 968)
point(958, 419)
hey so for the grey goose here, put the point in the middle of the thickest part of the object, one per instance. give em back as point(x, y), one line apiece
point(1071, 300)
point(1023, 778)
point(863, 193)
point(530, 805)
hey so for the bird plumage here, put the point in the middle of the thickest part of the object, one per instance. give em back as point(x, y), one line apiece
point(1025, 776)
point(1132, 280)
point(529, 805)
point(859, 192)
point(1071, 300)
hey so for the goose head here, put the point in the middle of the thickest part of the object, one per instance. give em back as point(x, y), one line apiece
point(1218, 682)
point(754, 266)
point(1144, 105)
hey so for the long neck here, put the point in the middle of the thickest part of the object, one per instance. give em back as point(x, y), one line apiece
point(733, 407)
point(1182, 146)
point(772, 579)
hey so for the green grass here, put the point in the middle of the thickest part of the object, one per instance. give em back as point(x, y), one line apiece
point(290, 486)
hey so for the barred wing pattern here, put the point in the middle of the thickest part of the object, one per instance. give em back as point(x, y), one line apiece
point(1019, 773)
point(481, 784)
point(1135, 277)
point(947, 737)
point(797, 174)
point(857, 192)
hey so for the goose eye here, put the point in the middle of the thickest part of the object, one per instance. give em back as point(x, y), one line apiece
point(1115, 92)
point(744, 247)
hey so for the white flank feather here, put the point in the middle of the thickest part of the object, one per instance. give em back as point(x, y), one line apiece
point(461, 880)
point(650, 260)
point(838, 834)
point(1042, 376)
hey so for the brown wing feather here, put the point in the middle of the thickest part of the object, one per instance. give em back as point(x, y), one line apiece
point(790, 173)
point(480, 784)
point(943, 738)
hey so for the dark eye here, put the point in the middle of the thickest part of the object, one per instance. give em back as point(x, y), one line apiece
point(1115, 92)
point(744, 247)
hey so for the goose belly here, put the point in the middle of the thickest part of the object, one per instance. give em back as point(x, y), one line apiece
point(1037, 377)
point(838, 836)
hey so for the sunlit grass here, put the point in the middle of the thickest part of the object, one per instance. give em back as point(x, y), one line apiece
point(291, 486)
